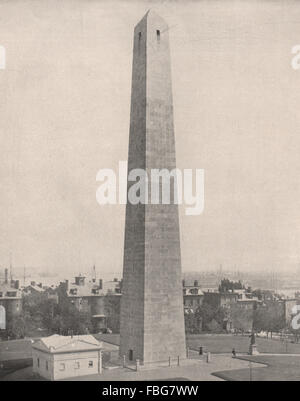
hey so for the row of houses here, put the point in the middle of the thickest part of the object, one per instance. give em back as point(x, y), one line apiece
point(101, 299)
point(240, 305)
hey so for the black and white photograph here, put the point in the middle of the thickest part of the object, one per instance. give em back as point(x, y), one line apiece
point(149, 193)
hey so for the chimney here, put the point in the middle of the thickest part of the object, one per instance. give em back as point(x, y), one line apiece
point(6, 276)
point(195, 283)
point(183, 283)
point(17, 284)
point(67, 285)
point(94, 274)
point(100, 284)
point(79, 280)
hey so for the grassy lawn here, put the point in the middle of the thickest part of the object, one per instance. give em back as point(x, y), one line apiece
point(15, 349)
point(219, 344)
point(225, 343)
point(14, 355)
point(23, 374)
point(21, 349)
point(109, 338)
point(280, 368)
point(11, 366)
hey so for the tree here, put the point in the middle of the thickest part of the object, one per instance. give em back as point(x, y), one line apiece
point(67, 319)
point(263, 294)
point(62, 318)
point(227, 285)
point(241, 318)
point(16, 327)
point(296, 333)
point(260, 319)
point(33, 312)
point(208, 314)
point(193, 323)
point(112, 311)
point(269, 317)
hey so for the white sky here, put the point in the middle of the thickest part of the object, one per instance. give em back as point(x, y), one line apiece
point(64, 114)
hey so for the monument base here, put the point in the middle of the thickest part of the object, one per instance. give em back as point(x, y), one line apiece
point(165, 364)
point(253, 350)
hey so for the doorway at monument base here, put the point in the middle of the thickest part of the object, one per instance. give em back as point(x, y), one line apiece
point(166, 364)
point(155, 349)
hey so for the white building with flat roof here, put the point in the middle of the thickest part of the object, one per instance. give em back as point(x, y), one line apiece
point(61, 357)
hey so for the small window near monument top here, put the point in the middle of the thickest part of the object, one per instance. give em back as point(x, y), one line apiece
point(139, 43)
point(158, 35)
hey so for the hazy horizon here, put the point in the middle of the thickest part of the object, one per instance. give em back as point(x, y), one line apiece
point(65, 114)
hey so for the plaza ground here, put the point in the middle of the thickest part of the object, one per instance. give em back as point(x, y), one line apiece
point(198, 370)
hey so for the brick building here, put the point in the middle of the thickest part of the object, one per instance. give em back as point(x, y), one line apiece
point(220, 299)
point(98, 298)
point(192, 296)
point(10, 299)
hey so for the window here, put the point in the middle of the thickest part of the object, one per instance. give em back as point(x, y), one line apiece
point(139, 42)
point(158, 35)
point(38, 362)
point(62, 367)
point(77, 365)
point(91, 364)
point(47, 365)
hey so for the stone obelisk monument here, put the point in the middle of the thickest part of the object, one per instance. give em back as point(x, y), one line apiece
point(152, 320)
